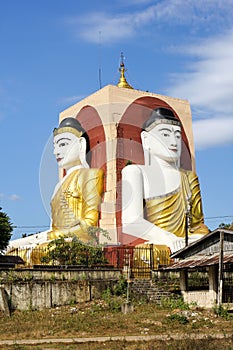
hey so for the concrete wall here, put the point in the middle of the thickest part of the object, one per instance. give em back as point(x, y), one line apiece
point(202, 298)
point(38, 289)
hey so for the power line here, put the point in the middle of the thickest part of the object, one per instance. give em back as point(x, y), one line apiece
point(218, 217)
point(206, 218)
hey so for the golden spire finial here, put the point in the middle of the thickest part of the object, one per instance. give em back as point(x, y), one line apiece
point(122, 81)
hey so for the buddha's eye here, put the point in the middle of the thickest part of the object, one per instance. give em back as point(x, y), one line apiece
point(165, 134)
point(178, 136)
point(62, 144)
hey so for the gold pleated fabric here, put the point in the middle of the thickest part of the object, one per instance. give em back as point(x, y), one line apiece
point(75, 206)
point(169, 211)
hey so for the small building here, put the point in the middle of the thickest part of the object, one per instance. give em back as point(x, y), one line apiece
point(206, 269)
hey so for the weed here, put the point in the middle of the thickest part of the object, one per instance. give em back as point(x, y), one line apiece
point(53, 277)
point(10, 276)
point(113, 302)
point(27, 277)
point(201, 323)
point(72, 302)
point(179, 318)
point(222, 311)
point(174, 303)
point(121, 287)
point(84, 276)
point(96, 307)
point(18, 347)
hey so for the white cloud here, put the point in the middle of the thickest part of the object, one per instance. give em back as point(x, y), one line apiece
point(14, 197)
point(209, 80)
point(134, 2)
point(71, 99)
point(123, 25)
point(212, 132)
point(208, 85)
point(111, 27)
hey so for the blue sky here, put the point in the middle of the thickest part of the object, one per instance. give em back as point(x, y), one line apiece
point(51, 52)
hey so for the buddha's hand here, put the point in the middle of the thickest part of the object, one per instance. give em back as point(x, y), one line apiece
point(199, 229)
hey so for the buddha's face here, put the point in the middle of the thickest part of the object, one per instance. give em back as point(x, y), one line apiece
point(67, 148)
point(164, 141)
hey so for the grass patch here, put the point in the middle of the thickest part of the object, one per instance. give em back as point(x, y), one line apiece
point(101, 318)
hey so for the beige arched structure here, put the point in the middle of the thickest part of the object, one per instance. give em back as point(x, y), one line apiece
point(113, 116)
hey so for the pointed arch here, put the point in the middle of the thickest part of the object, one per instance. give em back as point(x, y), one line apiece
point(92, 124)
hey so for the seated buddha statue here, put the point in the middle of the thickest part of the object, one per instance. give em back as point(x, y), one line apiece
point(159, 196)
point(76, 199)
point(77, 196)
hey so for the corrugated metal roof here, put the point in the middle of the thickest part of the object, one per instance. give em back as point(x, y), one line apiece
point(201, 243)
point(200, 261)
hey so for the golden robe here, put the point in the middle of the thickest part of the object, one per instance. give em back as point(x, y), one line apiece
point(75, 205)
point(169, 211)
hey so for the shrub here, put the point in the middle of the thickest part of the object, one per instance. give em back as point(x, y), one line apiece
point(182, 319)
point(222, 311)
point(73, 252)
point(174, 303)
point(121, 287)
point(112, 301)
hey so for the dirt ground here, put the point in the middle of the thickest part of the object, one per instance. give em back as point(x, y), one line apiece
point(174, 326)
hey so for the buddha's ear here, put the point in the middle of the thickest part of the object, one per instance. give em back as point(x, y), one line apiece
point(82, 142)
point(82, 153)
point(144, 138)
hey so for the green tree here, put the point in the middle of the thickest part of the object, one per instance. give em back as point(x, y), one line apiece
point(63, 252)
point(72, 251)
point(6, 228)
point(226, 226)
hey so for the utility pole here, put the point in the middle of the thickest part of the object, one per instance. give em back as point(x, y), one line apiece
point(220, 269)
point(187, 219)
